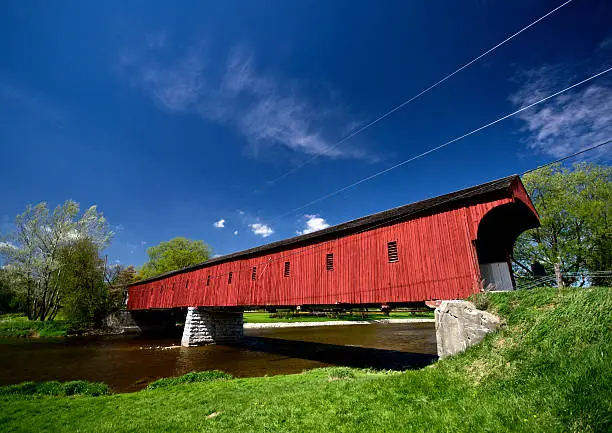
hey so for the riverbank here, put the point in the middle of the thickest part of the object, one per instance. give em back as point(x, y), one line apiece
point(547, 370)
point(18, 326)
point(264, 317)
point(304, 324)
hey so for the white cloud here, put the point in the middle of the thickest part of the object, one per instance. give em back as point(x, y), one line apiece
point(7, 246)
point(313, 223)
point(219, 224)
point(267, 110)
point(143, 243)
point(262, 230)
point(569, 122)
point(235, 232)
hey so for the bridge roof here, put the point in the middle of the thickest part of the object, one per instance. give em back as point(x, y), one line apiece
point(490, 190)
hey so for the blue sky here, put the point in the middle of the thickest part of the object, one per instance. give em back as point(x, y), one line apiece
point(173, 116)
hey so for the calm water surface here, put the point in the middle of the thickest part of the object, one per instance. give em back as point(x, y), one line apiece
point(128, 363)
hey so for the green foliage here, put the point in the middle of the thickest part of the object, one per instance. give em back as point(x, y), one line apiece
point(547, 370)
point(84, 295)
point(199, 376)
point(18, 326)
point(118, 277)
point(31, 252)
point(56, 389)
point(9, 297)
point(174, 254)
point(575, 208)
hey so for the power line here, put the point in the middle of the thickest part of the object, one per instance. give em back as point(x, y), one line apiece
point(421, 93)
point(434, 149)
point(569, 156)
point(314, 247)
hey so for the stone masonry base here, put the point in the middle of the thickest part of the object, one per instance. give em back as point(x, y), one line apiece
point(207, 326)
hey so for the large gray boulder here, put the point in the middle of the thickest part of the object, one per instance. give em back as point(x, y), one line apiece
point(459, 325)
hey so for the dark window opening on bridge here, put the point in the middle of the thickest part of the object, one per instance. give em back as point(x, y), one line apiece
point(329, 262)
point(392, 252)
point(208, 281)
point(254, 273)
point(287, 270)
point(229, 277)
point(187, 283)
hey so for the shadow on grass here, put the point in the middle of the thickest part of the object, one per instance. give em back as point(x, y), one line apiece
point(348, 356)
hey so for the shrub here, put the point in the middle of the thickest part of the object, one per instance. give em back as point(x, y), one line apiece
point(81, 387)
point(201, 376)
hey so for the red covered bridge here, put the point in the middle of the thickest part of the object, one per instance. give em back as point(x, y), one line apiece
point(446, 247)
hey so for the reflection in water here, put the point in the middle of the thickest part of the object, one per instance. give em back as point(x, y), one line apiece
point(128, 363)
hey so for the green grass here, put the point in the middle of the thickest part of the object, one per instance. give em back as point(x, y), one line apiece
point(202, 376)
point(263, 317)
point(56, 389)
point(18, 326)
point(548, 370)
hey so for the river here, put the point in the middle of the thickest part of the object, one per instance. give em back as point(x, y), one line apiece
point(129, 363)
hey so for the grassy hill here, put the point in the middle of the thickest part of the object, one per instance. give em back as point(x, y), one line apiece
point(548, 370)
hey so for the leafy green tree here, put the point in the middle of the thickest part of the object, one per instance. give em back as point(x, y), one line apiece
point(31, 252)
point(174, 254)
point(83, 292)
point(118, 277)
point(9, 299)
point(575, 208)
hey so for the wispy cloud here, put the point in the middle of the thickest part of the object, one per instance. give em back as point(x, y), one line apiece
point(219, 224)
point(132, 247)
point(606, 44)
point(313, 223)
point(16, 94)
point(569, 122)
point(267, 110)
point(262, 230)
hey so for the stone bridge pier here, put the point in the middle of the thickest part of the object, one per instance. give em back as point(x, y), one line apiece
point(209, 325)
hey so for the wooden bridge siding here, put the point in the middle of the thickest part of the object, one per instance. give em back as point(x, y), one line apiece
point(436, 261)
